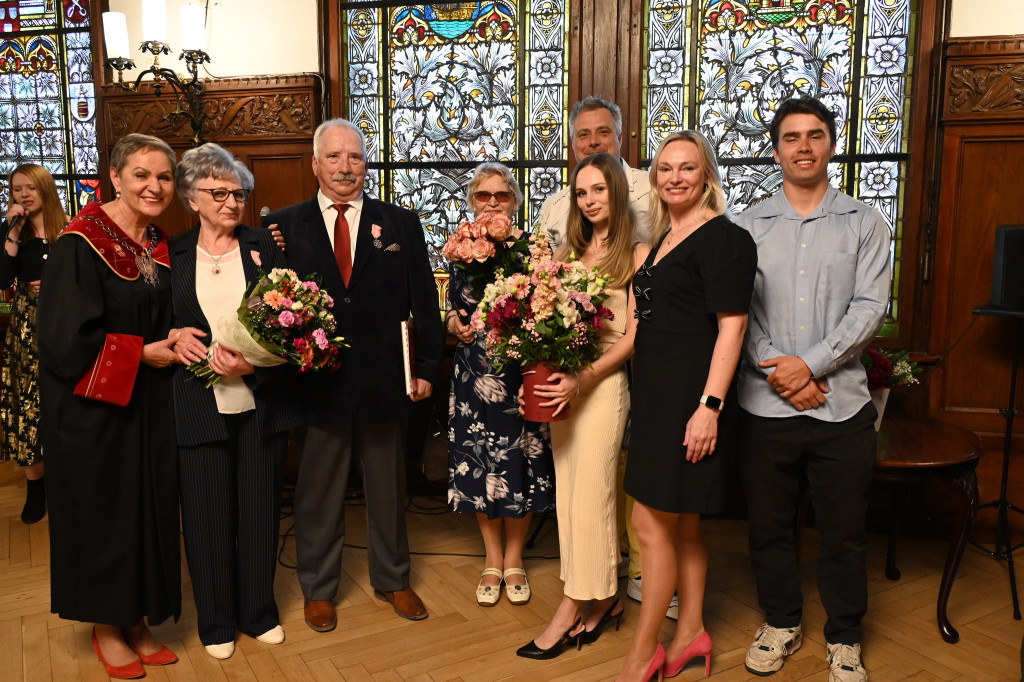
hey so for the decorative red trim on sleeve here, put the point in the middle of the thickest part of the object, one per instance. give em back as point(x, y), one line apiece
point(112, 377)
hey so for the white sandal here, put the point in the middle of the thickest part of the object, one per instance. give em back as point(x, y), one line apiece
point(517, 594)
point(488, 595)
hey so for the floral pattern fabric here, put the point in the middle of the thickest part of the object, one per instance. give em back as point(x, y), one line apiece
point(498, 463)
point(19, 384)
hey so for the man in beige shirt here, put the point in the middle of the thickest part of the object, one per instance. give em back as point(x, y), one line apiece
point(595, 125)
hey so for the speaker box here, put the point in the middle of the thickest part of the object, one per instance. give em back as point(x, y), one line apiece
point(1008, 268)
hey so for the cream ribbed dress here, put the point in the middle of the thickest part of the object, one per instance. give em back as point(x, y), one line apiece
point(586, 452)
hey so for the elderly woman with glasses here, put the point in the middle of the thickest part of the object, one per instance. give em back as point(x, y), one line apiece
point(231, 437)
point(499, 465)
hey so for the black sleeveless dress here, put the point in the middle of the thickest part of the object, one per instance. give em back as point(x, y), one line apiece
point(711, 271)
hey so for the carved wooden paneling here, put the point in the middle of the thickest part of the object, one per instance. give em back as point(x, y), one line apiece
point(979, 189)
point(984, 79)
point(270, 109)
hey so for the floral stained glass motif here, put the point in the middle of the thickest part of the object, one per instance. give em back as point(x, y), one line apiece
point(47, 96)
point(438, 88)
point(853, 56)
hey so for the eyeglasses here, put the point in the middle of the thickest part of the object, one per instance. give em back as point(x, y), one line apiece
point(221, 195)
point(485, 197)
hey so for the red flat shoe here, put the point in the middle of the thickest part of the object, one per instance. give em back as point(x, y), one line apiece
point(698, 647)
point(120, 672)
point(162, 657)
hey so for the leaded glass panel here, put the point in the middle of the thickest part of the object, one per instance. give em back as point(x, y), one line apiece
point(437, 88)
point(749, 56)
point(47, 96)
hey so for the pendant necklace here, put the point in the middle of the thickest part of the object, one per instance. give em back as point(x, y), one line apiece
point(215, 268)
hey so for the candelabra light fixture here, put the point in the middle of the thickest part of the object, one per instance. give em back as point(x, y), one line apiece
point(189, 93)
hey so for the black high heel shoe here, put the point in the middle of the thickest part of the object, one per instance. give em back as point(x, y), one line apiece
point(590, 636)
point(567, 639)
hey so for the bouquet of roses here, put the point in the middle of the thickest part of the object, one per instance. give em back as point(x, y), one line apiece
point(485, 248)
point(281, 319)
point(552, 314)
point(887, 369)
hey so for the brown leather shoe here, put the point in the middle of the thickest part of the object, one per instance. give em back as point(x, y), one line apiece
point(320, 614)
point(405, 602)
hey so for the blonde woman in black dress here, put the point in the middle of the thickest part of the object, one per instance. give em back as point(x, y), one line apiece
point(692, 294)
point(35, 217)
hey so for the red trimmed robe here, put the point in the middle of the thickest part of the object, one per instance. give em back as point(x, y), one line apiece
point(111, 471)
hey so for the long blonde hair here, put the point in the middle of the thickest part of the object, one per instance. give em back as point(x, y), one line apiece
point(711, 201)
point(618, 258)
point(54, 217)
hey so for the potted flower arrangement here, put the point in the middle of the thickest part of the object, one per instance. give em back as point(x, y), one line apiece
point(547, 319)
point(484, 248)
point(887, 369)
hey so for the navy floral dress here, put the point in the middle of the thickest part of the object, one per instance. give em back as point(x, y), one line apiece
point(498, 463)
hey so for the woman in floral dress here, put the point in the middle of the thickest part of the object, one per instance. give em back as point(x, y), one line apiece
point(499, 466)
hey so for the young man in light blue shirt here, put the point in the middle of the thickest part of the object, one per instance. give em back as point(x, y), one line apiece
point(820, 297)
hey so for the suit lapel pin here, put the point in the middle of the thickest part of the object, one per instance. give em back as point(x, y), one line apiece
point(375, 231)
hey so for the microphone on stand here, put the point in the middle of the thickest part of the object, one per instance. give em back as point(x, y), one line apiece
point(264, 212)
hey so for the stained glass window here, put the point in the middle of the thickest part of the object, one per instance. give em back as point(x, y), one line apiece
point(749, 56)
point(438, 88)
point(47, 98)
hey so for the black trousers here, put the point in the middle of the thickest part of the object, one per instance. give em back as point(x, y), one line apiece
point(836, 459)
point(230, 512)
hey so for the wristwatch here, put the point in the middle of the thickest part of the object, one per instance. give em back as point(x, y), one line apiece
point(711, 402)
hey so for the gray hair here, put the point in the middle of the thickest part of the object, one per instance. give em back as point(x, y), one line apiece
point(336, 123)
point(593, 103)
point(488, 169)
point(208, 161)
point(135, 142)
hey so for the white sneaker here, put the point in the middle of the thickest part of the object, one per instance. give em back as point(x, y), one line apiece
point(221, 651)
point(845, 664)
point(772, 645)
point(274, 635)
point(634, 589)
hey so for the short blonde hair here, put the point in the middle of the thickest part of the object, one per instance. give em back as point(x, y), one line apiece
point(489, 169)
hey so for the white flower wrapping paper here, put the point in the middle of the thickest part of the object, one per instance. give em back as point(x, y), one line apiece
point(234, 336)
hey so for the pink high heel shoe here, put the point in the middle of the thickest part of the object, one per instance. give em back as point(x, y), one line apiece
point(698, 647)
point(656, 668)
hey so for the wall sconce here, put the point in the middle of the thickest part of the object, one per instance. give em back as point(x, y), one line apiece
point(154, 41)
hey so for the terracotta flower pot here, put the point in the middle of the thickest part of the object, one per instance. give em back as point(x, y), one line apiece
point(537, 375)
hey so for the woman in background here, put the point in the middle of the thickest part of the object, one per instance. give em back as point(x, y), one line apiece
point(600, 232)
point(232, 437)
point(104, 356)
point(34, 219)
point(693, 293)
point(499, 466)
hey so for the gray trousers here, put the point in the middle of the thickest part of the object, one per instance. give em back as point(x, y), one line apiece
point(325, 458)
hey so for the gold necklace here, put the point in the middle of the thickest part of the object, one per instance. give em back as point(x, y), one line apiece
point(672, 233)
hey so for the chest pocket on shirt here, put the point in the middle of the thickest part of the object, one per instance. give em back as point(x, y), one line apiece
point(840, 275)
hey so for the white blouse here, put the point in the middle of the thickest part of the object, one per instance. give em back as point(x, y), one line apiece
point(220, 285)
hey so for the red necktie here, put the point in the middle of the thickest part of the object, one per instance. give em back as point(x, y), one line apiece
point(342, 243)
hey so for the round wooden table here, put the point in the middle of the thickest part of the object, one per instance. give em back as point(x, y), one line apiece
point(912, 449)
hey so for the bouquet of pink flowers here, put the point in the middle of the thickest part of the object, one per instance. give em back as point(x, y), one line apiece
point(552, 314)
point(281, 319)
point(484, 249)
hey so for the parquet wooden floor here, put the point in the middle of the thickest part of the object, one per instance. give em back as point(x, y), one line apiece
point(464, 642)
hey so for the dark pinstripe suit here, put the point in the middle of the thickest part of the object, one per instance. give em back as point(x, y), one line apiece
point(230, 466)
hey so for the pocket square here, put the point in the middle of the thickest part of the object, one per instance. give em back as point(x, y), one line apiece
point(394, 247)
